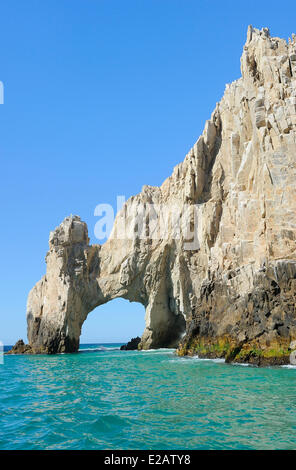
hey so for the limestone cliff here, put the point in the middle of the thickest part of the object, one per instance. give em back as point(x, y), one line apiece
point(234, 293)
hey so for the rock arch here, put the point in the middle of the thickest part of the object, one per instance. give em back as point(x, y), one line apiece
point(142, 261)
point(80, 277)
point(237, 288)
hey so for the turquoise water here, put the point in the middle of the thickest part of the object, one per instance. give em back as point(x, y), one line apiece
point(104, 398)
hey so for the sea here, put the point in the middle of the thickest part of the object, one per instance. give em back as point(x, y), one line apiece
point(104, 398)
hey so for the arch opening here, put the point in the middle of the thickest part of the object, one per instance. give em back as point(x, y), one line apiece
point(116, 321)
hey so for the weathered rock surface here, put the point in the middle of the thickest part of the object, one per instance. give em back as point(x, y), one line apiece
point(235, 292)
point(131, 345)
point(20, 348)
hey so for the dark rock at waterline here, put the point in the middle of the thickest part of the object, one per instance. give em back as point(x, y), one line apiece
point(131, 345)
point(257, 326)
point(20, 348)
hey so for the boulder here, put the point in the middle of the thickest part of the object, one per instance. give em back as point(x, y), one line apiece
point(20, 348)
point(131, 345)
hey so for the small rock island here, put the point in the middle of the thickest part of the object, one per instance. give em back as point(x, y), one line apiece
point(131, 345)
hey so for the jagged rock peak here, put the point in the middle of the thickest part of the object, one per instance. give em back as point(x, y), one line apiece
point(252, 33)
point(71, 230)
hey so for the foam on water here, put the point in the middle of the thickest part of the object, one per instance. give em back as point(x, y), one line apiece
point(101, 348)
point(217, 360)
point(158, 351)
point(242, 364)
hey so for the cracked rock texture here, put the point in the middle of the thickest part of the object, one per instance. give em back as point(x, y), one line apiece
point(234, 293)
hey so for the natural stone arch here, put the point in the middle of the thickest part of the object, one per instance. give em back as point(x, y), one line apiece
point(156, 270)
point(81, 277)
point(238, 288)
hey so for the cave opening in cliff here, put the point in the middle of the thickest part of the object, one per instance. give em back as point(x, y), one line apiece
point(117, 321)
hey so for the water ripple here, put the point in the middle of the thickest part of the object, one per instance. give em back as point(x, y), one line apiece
point(111, 399)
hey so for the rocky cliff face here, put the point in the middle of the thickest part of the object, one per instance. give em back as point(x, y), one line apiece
point(234, 291)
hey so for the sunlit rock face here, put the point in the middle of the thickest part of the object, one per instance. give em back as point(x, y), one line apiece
point(234, 292)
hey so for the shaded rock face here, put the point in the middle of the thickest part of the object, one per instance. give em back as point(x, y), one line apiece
point(131, 345)
point(235, 291)
point(255, 327)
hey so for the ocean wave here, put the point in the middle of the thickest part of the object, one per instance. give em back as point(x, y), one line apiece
point(244, 364)
point(158, 351)
point(217, 360)
point(100, 348)
point(196, 358)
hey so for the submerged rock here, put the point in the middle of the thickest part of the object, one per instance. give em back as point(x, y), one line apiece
point(230, 281)
point(131, 345)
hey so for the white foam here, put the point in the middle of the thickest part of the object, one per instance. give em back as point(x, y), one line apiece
point(196, 358)
point(101, 348)
point(160, 350)
point(217, 359)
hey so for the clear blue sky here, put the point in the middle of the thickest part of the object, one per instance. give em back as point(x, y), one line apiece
point(101, 97)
